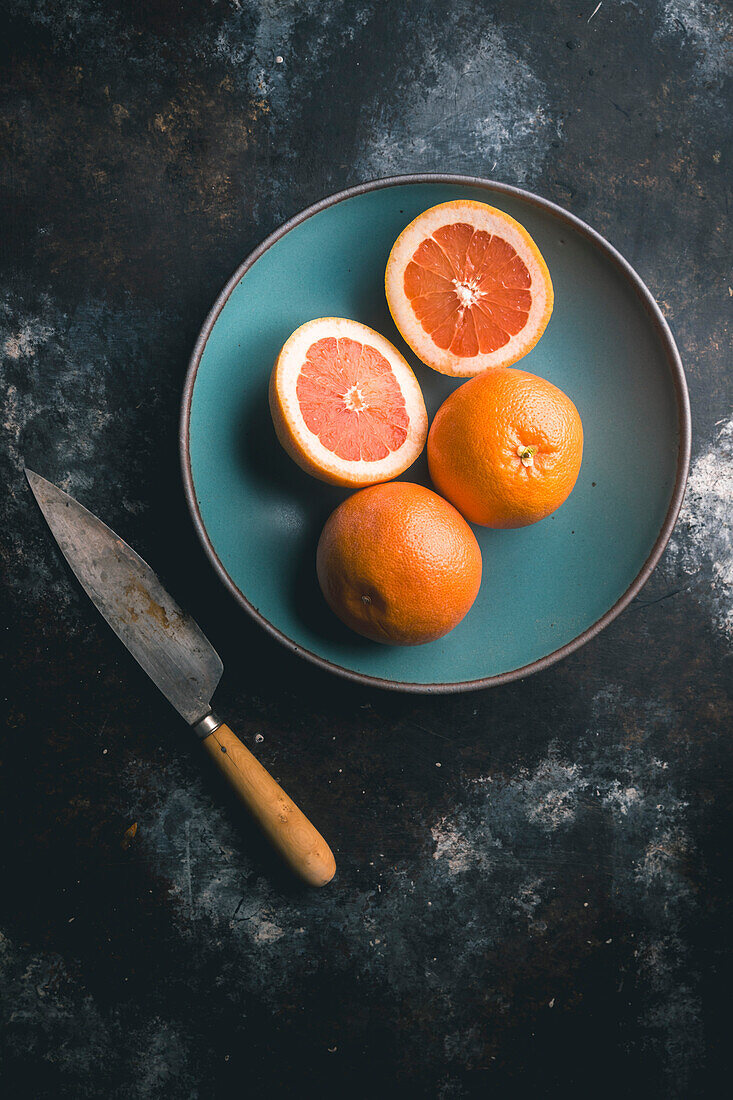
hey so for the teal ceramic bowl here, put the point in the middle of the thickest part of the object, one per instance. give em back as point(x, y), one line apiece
point(547, 589)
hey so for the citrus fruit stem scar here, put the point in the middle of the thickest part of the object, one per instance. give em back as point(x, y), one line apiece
point(527, 455)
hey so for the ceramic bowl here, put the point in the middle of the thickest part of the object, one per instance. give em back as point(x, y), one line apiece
point(547, 589)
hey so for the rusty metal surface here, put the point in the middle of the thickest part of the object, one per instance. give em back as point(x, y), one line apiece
point(162, 638)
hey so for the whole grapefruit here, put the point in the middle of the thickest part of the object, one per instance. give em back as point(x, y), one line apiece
point(505, 448)
point(398, 564)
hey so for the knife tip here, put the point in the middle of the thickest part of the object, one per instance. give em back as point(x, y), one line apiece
point(36, 482)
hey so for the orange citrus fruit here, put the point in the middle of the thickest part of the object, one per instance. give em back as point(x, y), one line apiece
point(398, 564)
point(506, 448)
point(345, 404)
point(468, 288)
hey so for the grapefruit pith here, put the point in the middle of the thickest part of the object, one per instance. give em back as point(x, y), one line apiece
point(468, 288)
point(345, 404)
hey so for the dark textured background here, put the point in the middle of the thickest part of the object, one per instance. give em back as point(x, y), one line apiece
point(534, 882)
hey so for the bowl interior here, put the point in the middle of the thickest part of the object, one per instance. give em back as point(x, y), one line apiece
point(544, 585)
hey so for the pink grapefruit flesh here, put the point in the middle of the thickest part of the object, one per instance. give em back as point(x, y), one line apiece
point(468, 288)
point(345, 404)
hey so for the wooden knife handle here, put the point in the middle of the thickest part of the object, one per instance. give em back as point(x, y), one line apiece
point(298, 842)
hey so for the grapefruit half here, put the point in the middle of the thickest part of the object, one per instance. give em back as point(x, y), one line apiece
point(345, 404)
point(468, 288)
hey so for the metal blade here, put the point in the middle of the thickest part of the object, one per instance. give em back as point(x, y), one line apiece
point(166, 641)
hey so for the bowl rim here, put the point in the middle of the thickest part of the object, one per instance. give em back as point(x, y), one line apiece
point(683, 415)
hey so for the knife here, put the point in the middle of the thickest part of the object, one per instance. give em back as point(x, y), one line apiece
point(182, 663)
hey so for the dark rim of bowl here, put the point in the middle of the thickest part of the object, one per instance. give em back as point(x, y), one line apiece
point(683, 410)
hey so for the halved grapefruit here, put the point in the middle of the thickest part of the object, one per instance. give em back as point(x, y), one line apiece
point(468, 288)
point(346, 406)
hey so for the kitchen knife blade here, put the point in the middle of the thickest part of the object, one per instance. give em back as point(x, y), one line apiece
point(181, 662)
point(169, 645)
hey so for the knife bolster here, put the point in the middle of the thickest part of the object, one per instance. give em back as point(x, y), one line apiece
point(206, 725)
